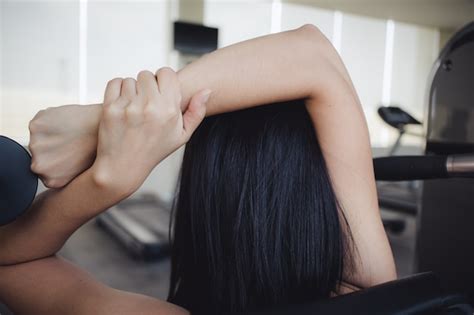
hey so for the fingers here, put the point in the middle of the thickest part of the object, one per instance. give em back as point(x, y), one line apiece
point(112, 91)
point(168, 85)
point(129, 89)
point(147, 87)
point(195, 112)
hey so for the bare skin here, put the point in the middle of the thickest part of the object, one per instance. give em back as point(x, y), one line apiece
point(284, 66)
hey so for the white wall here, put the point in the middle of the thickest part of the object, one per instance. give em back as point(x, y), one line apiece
point(293, 16)
point(39, 60)
point(238, 20)
point(124, 38)
point(362, 44)
point(1, 65)
point(414, 52)
point(363, 52)
point(40, 53)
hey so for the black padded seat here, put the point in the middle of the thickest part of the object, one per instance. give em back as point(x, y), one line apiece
point(417, 294)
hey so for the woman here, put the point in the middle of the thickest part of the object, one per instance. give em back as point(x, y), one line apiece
point(141, 121)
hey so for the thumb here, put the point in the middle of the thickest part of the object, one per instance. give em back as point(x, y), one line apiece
point(195, 112)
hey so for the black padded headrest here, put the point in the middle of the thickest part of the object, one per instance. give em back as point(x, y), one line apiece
point(18, 184)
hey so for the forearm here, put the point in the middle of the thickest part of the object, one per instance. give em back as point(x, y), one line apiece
point(290, 65)
point(52, 218)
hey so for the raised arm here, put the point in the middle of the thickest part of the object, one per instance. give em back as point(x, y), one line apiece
point(290, 65)
point(303, 64)
point(295, 64)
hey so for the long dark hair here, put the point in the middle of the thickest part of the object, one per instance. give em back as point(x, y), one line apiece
point(257, 223)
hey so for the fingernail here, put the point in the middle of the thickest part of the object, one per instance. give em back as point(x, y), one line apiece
point(205, 95)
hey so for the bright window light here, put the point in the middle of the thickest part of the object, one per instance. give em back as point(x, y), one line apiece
point(82, 51)
point(388, 63)
point(337, 30)
point(276, 16)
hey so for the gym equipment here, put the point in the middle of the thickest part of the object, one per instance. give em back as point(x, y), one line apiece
point(398, 119)
point(141, 225)
point(402, 168)
point(418, 294)
point(401, 197)
point(396, 196)
point(18, 184)
point(445, 238)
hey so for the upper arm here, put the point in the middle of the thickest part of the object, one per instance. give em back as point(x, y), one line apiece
point(344, 139)
point(54, 286)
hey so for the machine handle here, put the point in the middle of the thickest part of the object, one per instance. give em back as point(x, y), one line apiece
point(460, 165)
point(398, 168)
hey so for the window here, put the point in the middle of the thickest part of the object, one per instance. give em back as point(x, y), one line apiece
point(55, 53)
point(238, 20)
point(39, 53)
point(389, 62)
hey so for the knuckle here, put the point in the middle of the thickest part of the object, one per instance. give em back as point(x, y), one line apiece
point(112, 113)
point(114, 80)
point(133, 111)
point(165, 71)
point(32, 146)
point(129, 80)
point(170, 112)
point(33, 125)
point(37, 167)
point(34, 166)
point(50, 183)
point(151, 112)
point(144, 73)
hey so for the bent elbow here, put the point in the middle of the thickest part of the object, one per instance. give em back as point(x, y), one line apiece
point(311, 32)
point(309, 28)
point(314, 39)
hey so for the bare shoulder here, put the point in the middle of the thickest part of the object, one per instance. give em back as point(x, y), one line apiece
point(119, 302)
point(97, 298)
point(55, 286)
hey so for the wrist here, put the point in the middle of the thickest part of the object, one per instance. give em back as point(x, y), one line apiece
point(94, 113)
point(106, 180)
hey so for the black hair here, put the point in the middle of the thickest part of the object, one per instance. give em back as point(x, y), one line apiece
point(257, 223)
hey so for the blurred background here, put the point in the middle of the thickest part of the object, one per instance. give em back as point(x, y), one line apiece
point(64, 52)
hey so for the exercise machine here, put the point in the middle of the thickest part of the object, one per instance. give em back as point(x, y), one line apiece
point(399, 119)
point(445, 226)
point(401, 197)
point(141, 224)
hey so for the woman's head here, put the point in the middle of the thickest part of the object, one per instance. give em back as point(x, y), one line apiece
point(256, 219)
